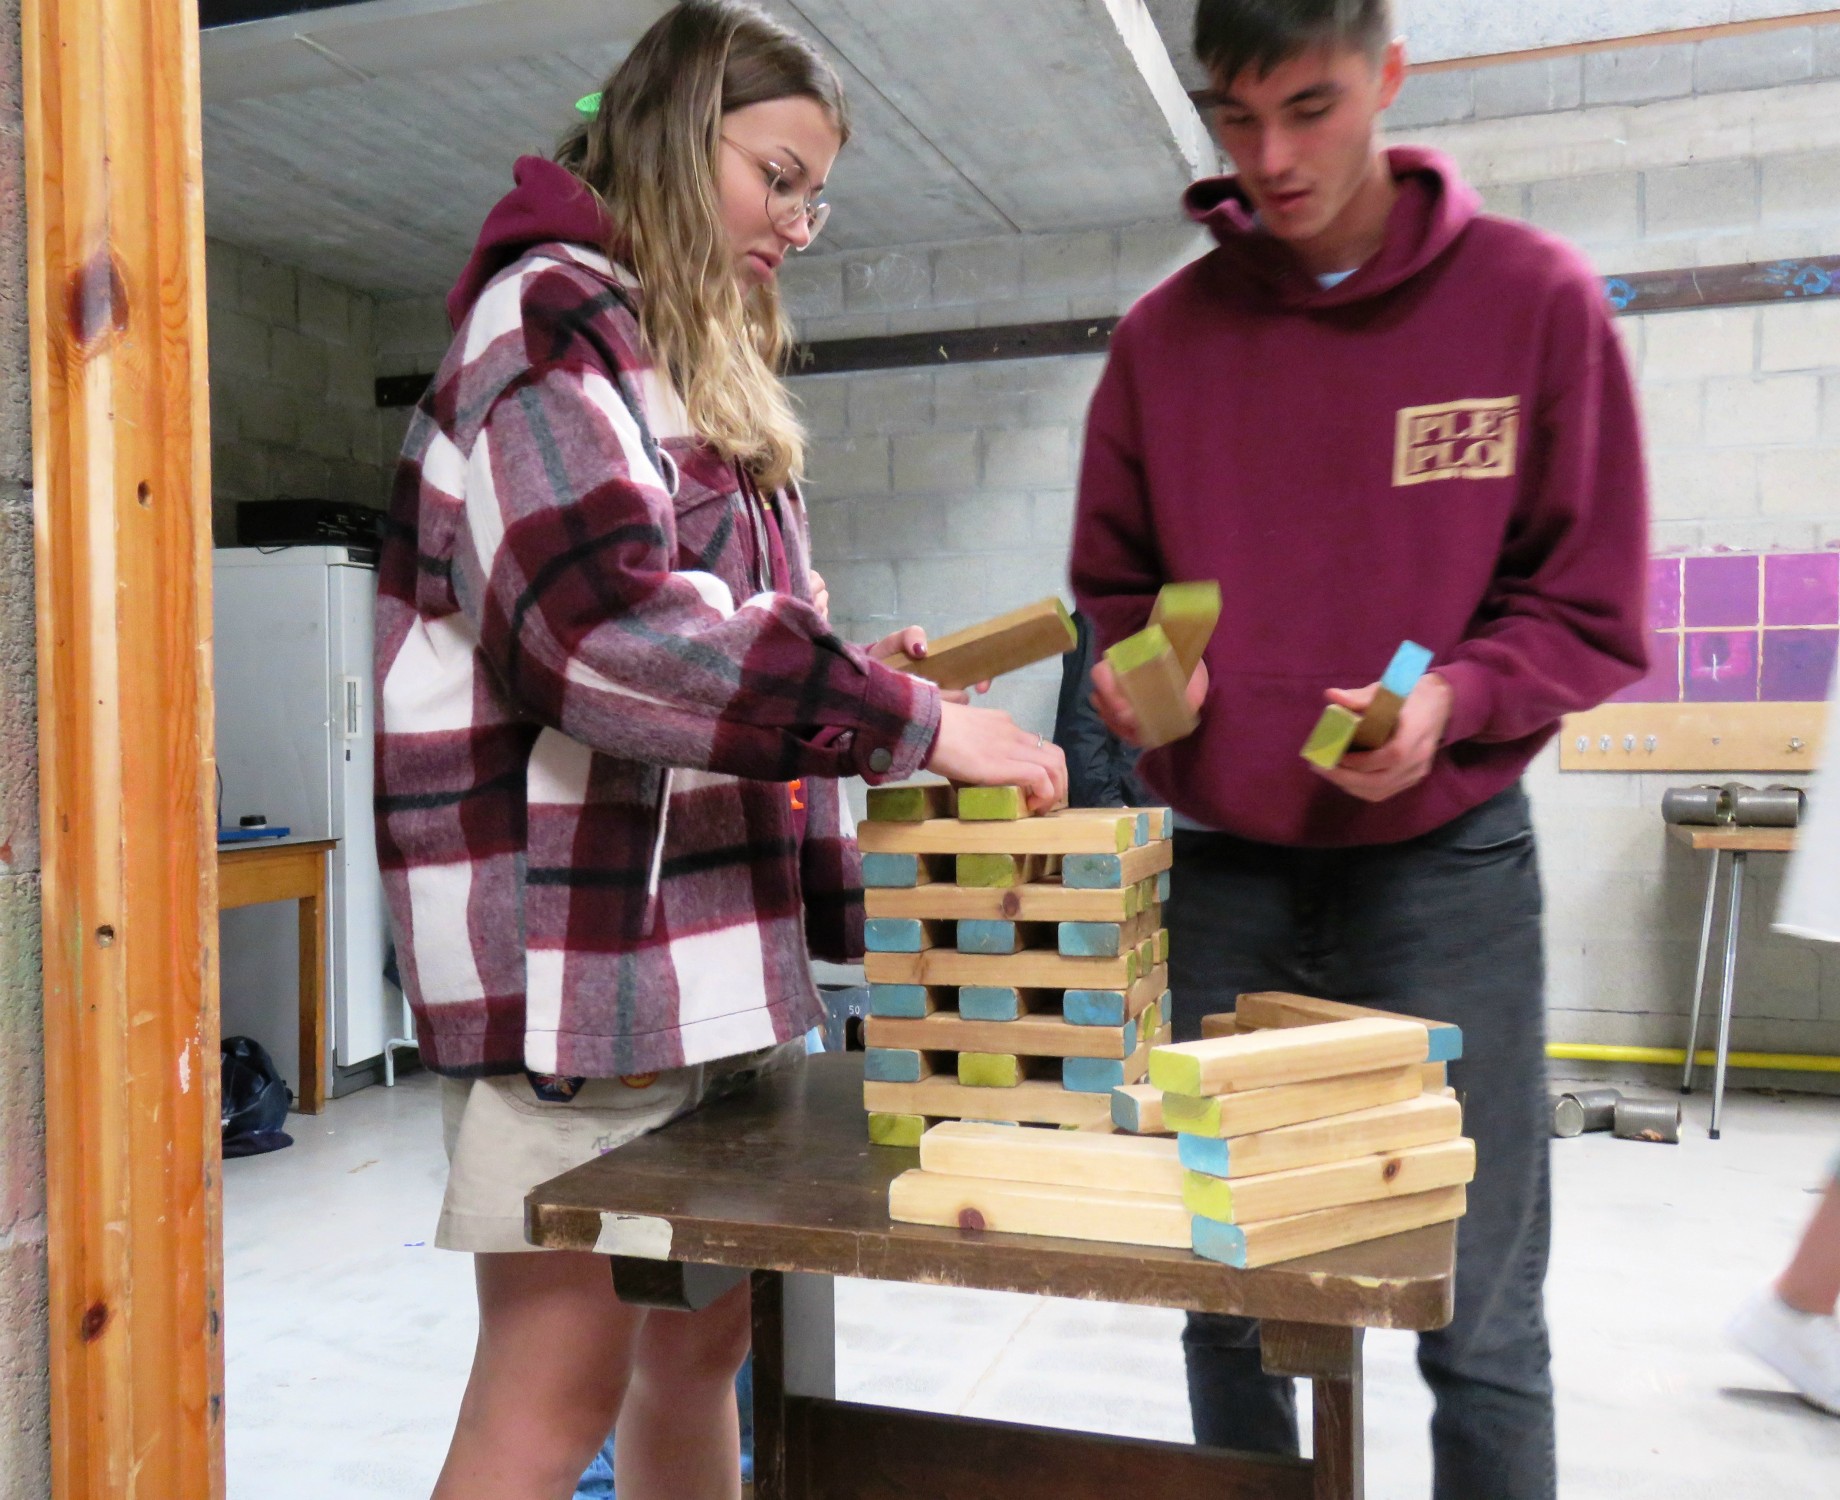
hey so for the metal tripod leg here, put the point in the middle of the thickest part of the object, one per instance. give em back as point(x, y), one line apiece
point(1735, 910)
point(1699, 981)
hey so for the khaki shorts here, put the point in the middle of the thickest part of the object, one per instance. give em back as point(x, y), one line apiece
point(502, 1140)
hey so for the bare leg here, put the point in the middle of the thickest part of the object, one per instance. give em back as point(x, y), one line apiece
point(679, 1438)
point(1811, 1284)
point(551, 1368)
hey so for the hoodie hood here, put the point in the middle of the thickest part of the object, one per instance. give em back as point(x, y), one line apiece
point(1433, 208)
point(549, 204)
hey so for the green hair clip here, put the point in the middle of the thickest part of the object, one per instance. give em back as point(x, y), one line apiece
point(588, 106)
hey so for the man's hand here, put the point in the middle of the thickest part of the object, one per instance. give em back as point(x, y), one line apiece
point(1404, 760)
point(1114, 709)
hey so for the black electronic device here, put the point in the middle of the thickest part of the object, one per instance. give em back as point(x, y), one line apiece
point(297, 522)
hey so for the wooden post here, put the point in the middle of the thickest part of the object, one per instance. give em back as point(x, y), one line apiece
point(122, 493)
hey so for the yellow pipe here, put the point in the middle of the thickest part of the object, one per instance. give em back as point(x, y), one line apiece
point(1775, 1062)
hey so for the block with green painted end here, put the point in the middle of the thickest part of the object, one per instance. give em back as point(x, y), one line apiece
point(1161, 952)
point(1190, 1114)
point(903, 934)
point(1188, 613)
point(1330, 739)
point(995, 871)
point(912, 803)
point(1175, 1072)
point(908, 1002)
point(896, 1130)
point(896, 1065)
point(992, 804)
point(1210, 1197)
point(1138, 650)
point(990, 1070)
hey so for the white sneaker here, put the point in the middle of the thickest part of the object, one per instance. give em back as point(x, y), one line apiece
point(1803, 1348)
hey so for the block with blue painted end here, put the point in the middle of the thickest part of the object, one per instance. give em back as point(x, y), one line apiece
point(999, 935)
point(903, 934)
point(891, 871)
point(1205, 1153)
point(1410, 663)
point(1446, 1043)
point(1403, 673)
point(1093, 939)
point(993, 1002)
point(896, 1065)
point(1162, 886)
point(1096, 1007)
point(908, 1002)
point(1267, 1242)
point(1095, 1075)
point(1138, 1109)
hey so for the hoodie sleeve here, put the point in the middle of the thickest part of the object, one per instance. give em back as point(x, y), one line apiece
point(566, 571)
point(1117, 566)
point(1561, 627)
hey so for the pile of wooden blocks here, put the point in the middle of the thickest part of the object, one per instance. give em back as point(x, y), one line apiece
point(1300, 1126)
point(1017, 964)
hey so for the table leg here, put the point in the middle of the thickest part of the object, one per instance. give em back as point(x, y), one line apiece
point(795, 1355)
point(1330, 1358)
point(1699, 980)
point(1728, 986)
point(312, 1096)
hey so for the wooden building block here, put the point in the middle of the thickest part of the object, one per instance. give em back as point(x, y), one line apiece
point(902, 870)
point(1138, 1108)
point(1221, 1023)
point(896, 1130)
point(1162, 881)
point(1115, 1007)
point(1027, 1036)
point(1041, 969)
point(1005, 644)
point(1382, 717)
point(1091, 1075)
point(996, 1002)
point(987, 804)
point(904, 934)
point(1259, 1110)
point(896, 1065)
point(990, 1070)
point(1039, 901)
point(1435, 1079)
point(908, 1001)
point(1162, 820)
point(1150, 676)
point(1080, 1159)
point(1034, 1101)
point(1187, 614)
point(1359, 1179)
point(1100, 871)
point(1106, 939)
point(1330, 739)
point(1274, 1010)
point(912, 802)
point(985, 1203)
point(1081, 830)
point(1420, 1121)
point(1003, 936)
point(1248, 1246)
point(997, 871)
point(1265, 1059)
point(1159, 950)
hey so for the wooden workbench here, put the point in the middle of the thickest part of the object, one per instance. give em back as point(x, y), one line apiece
point(290, 870)
point(783, 1183)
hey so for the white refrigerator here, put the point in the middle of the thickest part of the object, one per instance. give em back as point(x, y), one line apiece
point(294, 745)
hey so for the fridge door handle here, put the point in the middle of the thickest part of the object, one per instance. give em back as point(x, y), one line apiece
point(353, 700)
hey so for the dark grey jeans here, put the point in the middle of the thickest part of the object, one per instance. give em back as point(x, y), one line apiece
point(1447, 927)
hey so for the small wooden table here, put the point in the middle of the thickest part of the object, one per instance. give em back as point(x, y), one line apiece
point(1733, 846)
point(251, 874)
point(782, 1183)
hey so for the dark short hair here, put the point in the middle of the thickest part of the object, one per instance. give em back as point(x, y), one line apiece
point(1233, 35)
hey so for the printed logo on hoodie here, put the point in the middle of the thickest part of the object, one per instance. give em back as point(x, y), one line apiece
point(1457, 440)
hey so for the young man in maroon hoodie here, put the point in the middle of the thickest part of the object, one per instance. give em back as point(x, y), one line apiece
point(1374, 415)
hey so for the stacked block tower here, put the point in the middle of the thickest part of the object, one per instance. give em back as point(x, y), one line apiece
point(1017, 964)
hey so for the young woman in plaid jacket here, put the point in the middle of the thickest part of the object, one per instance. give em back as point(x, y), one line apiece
point(612, 719)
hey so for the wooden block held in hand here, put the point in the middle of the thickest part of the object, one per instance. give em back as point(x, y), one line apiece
point(1265, 1059)
point(1330, 739)
point(1249, 1246)
point(1114, 1163)
point(912, 802)
point(988, 804)
point(1382, 717)
point(1150, 676)
point(1188, 613)
point(1009, 642)
point(1258, 1110)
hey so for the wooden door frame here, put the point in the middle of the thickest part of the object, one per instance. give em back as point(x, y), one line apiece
point(122, 512)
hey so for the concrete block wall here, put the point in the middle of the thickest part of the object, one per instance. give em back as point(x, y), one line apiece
point(293, 402)
point(25, 1441)
point(942, 495)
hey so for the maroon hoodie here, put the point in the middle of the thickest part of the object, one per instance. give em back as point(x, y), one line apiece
point(1442, 448)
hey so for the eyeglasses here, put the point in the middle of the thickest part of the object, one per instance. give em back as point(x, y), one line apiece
point(789, 206)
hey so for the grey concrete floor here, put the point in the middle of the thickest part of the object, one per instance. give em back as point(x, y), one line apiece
point(348, 1337)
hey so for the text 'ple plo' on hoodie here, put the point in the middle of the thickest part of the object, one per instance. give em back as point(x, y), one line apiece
point(1443, 448)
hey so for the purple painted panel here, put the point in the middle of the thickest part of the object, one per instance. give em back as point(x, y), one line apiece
point(1664, 596)
point(1721, 666)
point(1797, 664)
point(1801, 588)
point(1720, 590)
point(1662, 684)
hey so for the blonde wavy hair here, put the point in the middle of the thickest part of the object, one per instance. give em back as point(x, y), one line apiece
point(650, 154)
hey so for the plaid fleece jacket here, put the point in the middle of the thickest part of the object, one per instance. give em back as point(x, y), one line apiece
point(592, 703)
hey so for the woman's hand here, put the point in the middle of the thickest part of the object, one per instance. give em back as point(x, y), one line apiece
point(985, 747)
point(910, 641)
point(820, 596)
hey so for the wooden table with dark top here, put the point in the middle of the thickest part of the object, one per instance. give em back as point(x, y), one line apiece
point(782, 1183)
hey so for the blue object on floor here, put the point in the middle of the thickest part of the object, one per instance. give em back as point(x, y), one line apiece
point(597, 1483)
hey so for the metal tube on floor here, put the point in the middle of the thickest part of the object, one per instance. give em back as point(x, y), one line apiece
point(1648, 1120)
